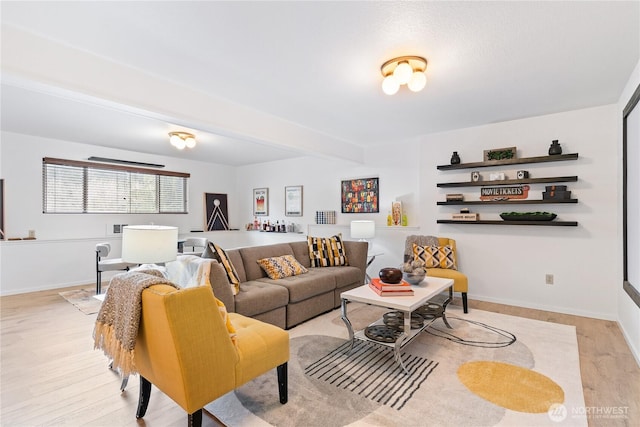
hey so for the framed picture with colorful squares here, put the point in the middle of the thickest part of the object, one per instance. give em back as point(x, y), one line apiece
point(360, 195)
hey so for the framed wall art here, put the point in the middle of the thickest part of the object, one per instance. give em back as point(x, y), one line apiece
point(360, 195)
point(216, 212)
point(260, 201)
point(293, 200)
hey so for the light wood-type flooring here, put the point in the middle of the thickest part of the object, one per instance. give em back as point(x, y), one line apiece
point(50, 375)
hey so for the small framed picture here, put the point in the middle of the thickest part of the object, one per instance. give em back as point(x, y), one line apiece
point(293, 200)
point(260, 201)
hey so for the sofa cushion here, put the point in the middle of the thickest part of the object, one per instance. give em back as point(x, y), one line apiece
point(236, 259)
point(327, 251)
point(301, 252)
point(216, 252)
point(435, 256)
point(317, 281)
point(258, 297)
point(345, 275)
point(281, 266)
point(252, 254)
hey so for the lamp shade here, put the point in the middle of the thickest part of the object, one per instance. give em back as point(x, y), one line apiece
point(149, 244)
point(363, 229)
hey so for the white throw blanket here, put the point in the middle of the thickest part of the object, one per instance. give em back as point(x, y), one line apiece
point(189, 271)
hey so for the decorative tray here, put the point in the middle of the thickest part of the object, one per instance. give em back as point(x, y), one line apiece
point(528, 216)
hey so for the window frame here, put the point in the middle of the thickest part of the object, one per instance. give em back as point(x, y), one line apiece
point(129, 170)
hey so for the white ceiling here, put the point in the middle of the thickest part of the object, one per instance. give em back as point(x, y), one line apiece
point(316, 65)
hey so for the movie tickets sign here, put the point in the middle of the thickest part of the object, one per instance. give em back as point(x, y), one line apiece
point(504, 193)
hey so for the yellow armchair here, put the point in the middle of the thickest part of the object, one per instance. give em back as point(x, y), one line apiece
point(184, 348)
point(460, 281)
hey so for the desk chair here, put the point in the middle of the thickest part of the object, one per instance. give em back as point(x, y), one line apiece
point(197, 245)
point(114, 264)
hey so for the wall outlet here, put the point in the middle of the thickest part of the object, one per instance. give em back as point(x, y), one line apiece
point(115, 229)
point(548, 279)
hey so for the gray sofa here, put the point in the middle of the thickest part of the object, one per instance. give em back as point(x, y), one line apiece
point(292, 300)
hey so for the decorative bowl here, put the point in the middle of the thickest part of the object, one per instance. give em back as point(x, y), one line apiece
point(528, 216)
point(414, 278)
point(390, 275)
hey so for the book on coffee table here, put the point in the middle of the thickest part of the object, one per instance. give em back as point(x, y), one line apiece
point(379, 284)
point(406, 292)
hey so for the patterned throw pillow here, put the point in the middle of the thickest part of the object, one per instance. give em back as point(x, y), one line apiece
point(327, 251)
point(216, 252)
point(435, 256)
point(281, 266)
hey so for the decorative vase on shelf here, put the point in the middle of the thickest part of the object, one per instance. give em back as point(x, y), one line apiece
point(555, 148)
point(455, 159)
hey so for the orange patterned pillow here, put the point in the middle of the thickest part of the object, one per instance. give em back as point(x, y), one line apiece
point(281, 266)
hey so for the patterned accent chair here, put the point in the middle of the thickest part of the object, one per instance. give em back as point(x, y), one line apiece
point(184, 348)
point(460, 281)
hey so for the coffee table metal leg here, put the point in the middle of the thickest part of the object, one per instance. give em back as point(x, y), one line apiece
point(345, 319)
point(444, 308)
point(398, 345)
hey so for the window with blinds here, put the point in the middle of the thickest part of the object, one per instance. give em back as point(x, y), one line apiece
point(71, 186)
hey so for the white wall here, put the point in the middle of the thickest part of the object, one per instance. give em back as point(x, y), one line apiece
point(64, 252)
point(628, 311)
point(507, 264)
point(321, 178)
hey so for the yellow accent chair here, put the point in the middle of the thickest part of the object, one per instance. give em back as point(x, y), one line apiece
point(460, 281)
point(185, 348)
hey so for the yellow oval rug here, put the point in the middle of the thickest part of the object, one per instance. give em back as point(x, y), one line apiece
point(510, 386)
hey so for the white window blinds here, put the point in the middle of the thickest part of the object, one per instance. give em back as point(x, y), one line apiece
point(71, 186)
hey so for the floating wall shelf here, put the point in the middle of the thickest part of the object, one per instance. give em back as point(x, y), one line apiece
point(499, 222)
point(520, 161)
point(509, 182)
point(509, 202)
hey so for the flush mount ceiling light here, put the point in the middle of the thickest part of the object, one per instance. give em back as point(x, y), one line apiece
point(180, 140)
point(409, 70)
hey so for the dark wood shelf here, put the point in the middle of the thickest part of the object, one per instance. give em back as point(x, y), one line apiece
point(501, 222)
point(509, 182)
point(508, 202)
point(520, 161)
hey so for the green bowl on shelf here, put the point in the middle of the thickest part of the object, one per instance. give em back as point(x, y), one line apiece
point(528, 216)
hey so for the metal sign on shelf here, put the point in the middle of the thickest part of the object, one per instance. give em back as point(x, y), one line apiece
point(504, 193)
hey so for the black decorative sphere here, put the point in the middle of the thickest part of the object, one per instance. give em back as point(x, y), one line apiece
point(390, 275)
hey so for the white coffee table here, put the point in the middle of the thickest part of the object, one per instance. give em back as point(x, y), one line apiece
point(427, 289)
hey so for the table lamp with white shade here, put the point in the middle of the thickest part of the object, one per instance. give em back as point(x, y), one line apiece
point(363, 230)
point(149, 244)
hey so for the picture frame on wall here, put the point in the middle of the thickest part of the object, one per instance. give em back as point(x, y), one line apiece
point(260, 201)
point(216, 212)
point(360, 195)
point(293, 200)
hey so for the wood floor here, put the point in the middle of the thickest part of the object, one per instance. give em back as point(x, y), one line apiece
point(50, 375)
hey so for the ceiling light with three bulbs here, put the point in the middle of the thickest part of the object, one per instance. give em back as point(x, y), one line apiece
point(409, 70)
point(180, 140)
